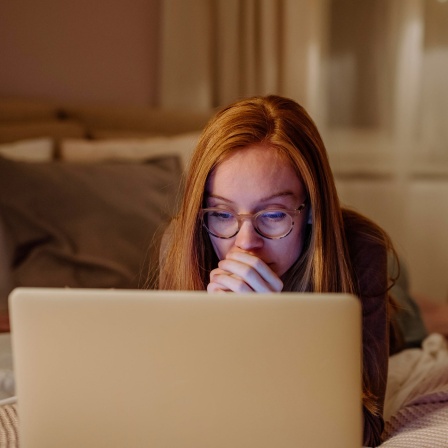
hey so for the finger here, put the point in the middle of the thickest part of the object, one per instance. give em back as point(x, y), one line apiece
point(219, 282)
point(252, 260)
point(266, 278)
point(229, 283)
point(217, 271)
point(249, 275)
point(260, 266)
point(213, 287)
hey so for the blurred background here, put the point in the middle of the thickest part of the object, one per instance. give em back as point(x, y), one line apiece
point(372, 73)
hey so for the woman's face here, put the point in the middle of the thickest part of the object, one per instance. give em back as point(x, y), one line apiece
point(253, 179)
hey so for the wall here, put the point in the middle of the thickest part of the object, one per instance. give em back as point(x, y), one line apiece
point(83, 50)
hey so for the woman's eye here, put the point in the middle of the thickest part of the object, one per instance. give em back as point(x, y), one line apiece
point(222, 215)
point(276, 215)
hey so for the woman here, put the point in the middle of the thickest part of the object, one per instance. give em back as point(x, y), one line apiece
point(260, 212)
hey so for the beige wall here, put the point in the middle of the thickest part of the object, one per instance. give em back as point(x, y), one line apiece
point(80, 50)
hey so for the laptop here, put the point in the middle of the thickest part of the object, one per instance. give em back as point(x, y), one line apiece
point(121, 368)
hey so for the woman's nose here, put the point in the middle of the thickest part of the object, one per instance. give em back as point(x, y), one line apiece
point(247, 238)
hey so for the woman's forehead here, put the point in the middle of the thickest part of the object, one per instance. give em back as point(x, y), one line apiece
point(260, 169)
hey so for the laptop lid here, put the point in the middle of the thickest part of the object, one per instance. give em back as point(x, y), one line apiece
point(120, 368)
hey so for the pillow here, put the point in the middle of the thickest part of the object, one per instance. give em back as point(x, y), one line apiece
point(129, 149)
point(85, 225)
point(32, 150)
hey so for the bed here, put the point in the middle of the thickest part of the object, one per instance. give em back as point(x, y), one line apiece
point(86, 190)
point(73, 179)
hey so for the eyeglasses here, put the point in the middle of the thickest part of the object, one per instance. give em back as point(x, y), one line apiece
point(270, 224)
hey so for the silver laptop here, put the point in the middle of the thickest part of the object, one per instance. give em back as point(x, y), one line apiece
point(119, 368)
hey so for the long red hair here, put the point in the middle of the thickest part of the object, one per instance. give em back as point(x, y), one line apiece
point(324, 265)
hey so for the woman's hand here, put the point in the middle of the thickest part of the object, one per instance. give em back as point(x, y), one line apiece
point(243, 272)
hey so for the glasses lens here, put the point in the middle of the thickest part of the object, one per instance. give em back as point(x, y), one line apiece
point(274, 223)
point(221, 223)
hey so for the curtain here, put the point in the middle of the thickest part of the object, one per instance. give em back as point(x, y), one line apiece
point(216, 51)
point(371, 74)
point(433, 106)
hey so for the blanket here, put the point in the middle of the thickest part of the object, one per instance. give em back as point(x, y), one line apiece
point(416, 406)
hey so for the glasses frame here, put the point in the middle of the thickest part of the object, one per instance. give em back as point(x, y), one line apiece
point(252, 217)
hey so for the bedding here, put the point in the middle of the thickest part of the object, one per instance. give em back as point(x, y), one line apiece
point(416, 406)
point(136, 149)
point(31, 150)
point(87, 214)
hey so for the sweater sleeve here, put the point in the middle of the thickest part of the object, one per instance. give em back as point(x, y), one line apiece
point(369, 261)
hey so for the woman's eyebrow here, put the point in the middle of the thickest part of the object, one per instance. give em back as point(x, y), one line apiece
point(277, 195)
point(216, 196)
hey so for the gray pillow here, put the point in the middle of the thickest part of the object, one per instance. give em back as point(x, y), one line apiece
point(85, 225)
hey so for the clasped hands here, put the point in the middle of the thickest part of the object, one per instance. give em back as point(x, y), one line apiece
point(241, 271)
